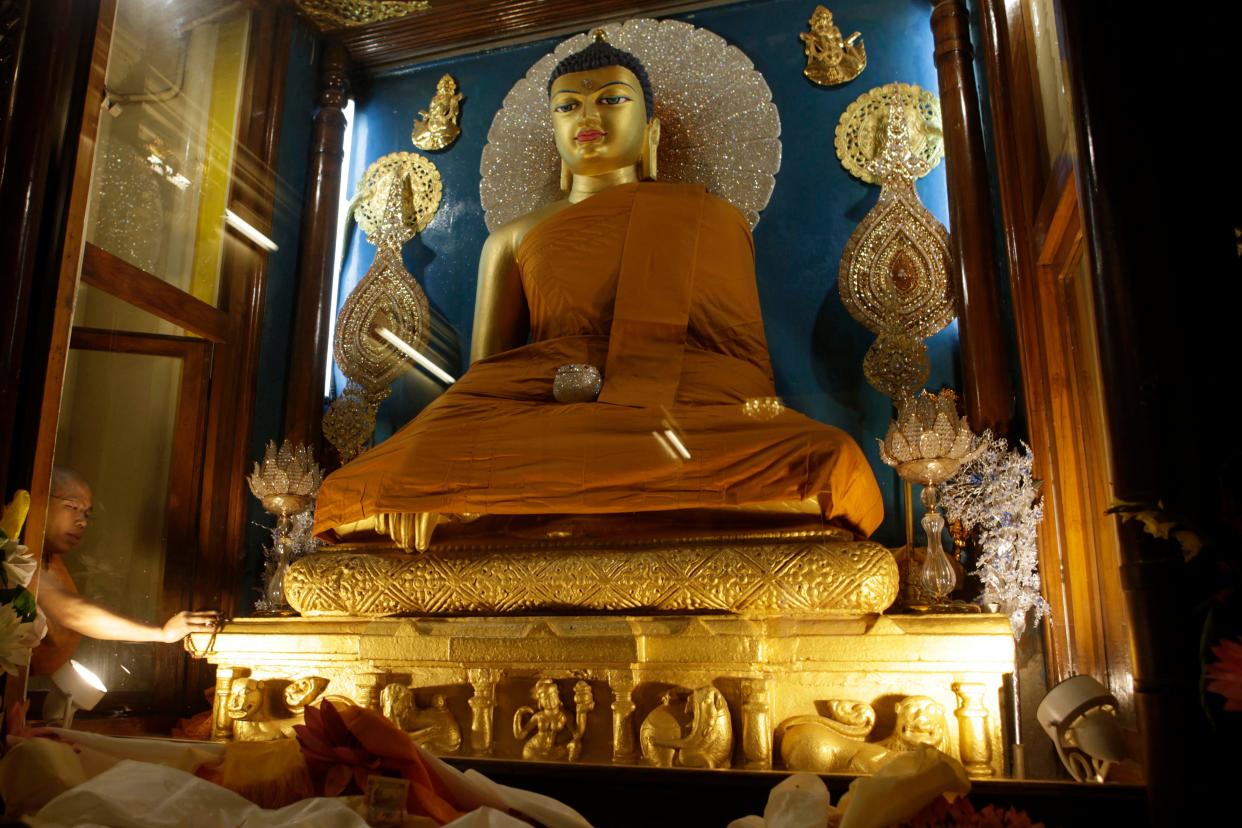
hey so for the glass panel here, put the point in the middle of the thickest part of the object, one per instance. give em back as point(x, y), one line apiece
point(117, 424)
point(164, 156)
point(1050, 76)
point(99, 309)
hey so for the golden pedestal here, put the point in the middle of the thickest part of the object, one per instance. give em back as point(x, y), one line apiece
point(751, 574)
point(691, 690)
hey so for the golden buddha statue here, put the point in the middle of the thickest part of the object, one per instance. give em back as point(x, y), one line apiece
point(653, 284)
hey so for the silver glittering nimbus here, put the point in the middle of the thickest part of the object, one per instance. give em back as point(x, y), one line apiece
point(718, 125)
point(388, 297)
point(894, 273)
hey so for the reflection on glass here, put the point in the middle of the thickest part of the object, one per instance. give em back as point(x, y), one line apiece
point(1054, 98)
point(166, 141)
point(97, 309)
point(117, 423)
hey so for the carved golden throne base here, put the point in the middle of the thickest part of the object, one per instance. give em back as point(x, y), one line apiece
point(611, 676)
point(780, 572)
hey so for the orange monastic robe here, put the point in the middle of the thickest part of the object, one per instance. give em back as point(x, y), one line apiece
point(655, 284)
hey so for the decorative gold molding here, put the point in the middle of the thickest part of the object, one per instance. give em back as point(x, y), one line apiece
point(758, 672)
point(343, 14)
point(752, 579)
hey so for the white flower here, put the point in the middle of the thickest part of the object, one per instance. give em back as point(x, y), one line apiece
point(17, 638)
point(19, 565)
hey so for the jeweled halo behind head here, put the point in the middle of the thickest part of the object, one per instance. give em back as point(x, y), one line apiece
point(719, 126)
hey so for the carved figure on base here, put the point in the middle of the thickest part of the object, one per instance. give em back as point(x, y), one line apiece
point(709, 742)
point(550, 719)
point(434, 727)
point(837, 743)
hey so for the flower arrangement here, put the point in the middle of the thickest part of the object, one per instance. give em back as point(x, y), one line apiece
point(961, 813)
point(996, 494)
point(21, 623)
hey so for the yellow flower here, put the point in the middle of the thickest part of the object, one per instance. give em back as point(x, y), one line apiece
point(15, 515)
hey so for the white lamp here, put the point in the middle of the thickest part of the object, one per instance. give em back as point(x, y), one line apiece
point(77, 688)
point(1080, 717)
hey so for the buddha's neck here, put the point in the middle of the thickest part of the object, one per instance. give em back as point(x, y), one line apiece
point(585, 186)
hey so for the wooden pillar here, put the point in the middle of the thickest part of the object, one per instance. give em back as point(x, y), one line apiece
point(310, 350)
point(985, 351)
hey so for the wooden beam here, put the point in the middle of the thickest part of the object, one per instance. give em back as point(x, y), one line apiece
point(985, 363)
point(119, 278)
point(471, 25)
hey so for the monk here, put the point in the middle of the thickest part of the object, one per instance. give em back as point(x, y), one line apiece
point(654, 284)
point(71, 616)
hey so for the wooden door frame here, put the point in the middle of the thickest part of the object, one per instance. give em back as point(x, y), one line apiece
point(181, 507)
point(230, 400)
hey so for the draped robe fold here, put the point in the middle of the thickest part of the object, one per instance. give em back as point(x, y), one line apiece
point(655, 284)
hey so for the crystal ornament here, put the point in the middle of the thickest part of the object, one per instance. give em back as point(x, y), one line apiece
point(350, 421)
point(894, 272)
point(285, 483)
point(577, 382)
point(718, 125)
point(938, 577)
point(996, 495)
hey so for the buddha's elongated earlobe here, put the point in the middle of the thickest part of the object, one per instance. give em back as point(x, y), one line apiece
point(651, 145)
point(567, 177)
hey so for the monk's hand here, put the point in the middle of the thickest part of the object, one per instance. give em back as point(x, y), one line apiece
point(184, 623)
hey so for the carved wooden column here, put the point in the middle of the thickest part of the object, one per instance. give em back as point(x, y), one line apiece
point(985, 363)
point(309, 353)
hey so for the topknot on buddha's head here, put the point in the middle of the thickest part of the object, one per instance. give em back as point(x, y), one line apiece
point(599, 54)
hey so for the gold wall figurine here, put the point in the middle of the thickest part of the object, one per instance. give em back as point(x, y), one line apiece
point(437, 129)
point(544, 726)
point(831, 60)
point(434, 727)
point(709, 742)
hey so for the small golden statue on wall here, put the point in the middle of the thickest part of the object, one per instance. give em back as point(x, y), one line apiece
point(437, 128)
point(830, 59)
point(544, 725)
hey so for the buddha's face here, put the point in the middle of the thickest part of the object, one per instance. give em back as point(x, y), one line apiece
point(599, 118)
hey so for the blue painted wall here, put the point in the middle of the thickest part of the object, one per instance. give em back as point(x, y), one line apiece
point(817, 349)
point(292, 153)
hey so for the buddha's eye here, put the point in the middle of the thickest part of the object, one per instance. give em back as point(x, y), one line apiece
point(568, 106)
point(613, 100)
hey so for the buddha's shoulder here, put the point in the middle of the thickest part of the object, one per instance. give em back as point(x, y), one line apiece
point(509, 236)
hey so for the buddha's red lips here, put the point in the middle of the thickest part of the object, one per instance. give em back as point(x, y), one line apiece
point(589, 135)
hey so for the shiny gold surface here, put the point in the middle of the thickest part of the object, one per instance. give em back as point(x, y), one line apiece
point(838, 742)
point(784, 573)
point(831, 59)
point(437, 128)
point(907, 670)
point(707, 741)
point(341, 14)
point(397, 198)
point(894, 272)
point(861, 132)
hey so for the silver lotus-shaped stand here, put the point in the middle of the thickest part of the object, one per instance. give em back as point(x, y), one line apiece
point(285, 483)
point(927, 444)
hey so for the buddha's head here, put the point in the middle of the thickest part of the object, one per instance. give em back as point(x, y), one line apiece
point(601, 104)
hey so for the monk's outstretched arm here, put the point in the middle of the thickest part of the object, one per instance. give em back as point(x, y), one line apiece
point(501, 319)
point(96, 621)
